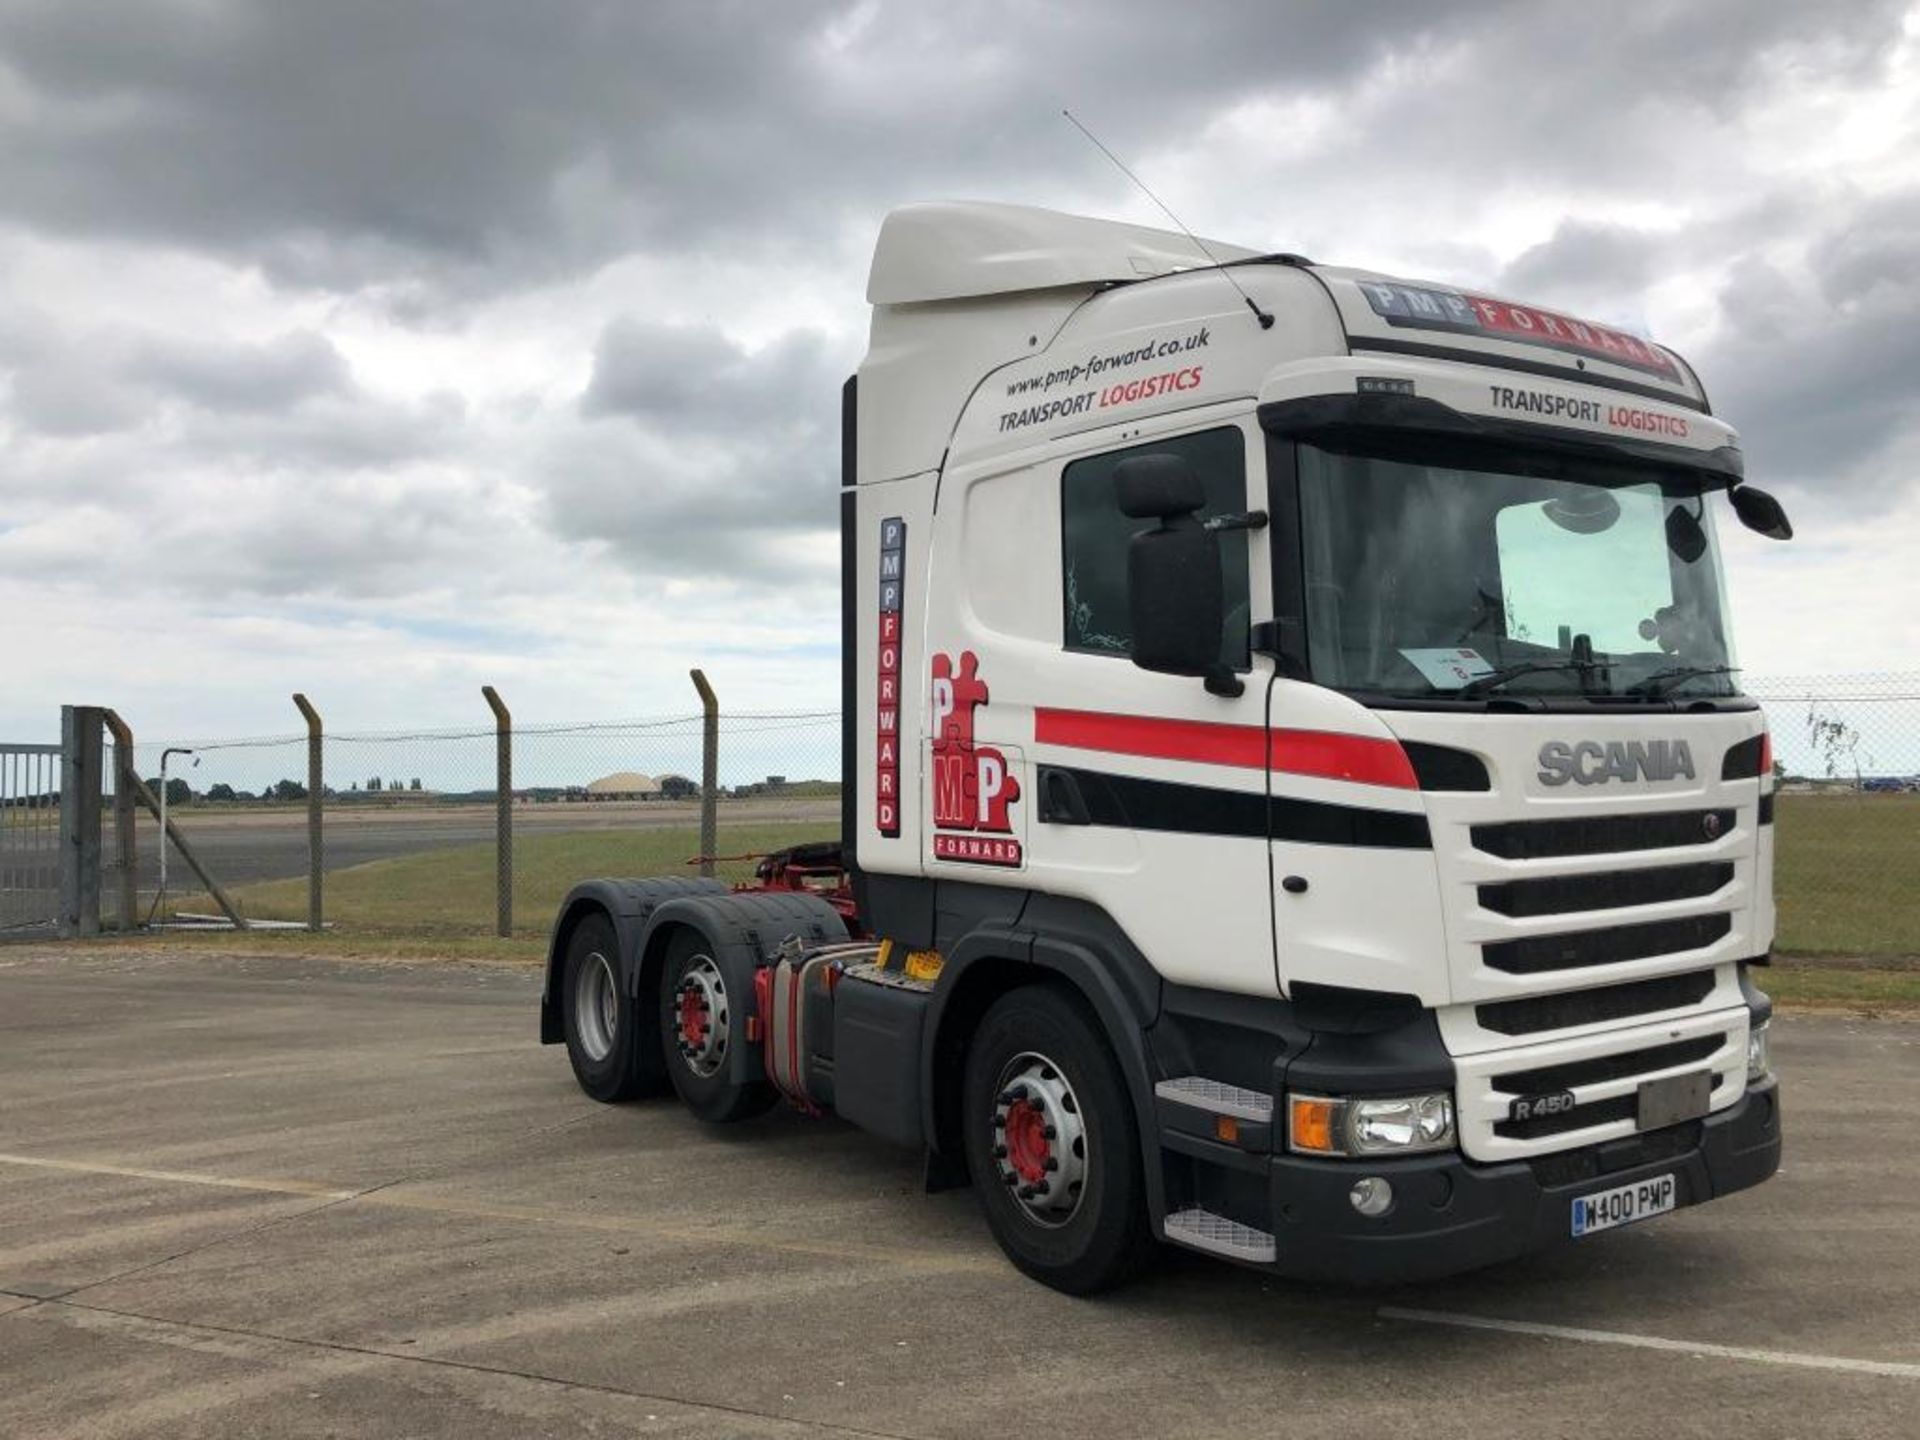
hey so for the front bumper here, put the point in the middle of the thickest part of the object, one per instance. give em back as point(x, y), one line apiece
point(1450, 1215)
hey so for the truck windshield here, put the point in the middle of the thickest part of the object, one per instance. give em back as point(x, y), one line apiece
point(1497, 574)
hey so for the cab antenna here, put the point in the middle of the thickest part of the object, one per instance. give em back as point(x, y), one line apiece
point(1266, 320)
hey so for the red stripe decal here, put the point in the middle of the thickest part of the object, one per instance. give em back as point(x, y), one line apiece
point(1324, 754)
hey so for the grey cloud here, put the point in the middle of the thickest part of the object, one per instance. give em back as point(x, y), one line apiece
point(365, 143)
point(1818, 367)
point(243, 378)
point(1589, 266)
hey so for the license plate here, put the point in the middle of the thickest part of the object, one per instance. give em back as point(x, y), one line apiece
point(1679, 1097)
point(1623, 1205)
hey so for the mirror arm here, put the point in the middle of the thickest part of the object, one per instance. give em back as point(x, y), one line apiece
point(1283, 638)
point(1223, 682)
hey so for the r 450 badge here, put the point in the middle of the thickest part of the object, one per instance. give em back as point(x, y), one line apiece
point(1539, 1107)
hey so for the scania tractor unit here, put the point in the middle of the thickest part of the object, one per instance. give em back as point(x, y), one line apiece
point(1298, 801)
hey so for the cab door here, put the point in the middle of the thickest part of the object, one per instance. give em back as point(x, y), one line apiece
point(1055, 764)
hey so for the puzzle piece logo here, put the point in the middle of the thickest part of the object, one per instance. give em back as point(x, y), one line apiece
point(972, 787)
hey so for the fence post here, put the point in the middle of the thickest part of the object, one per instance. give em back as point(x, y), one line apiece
point(503, 807)
point(315, 788)
point(80, 759)
point(126, 852)
point(709, 773)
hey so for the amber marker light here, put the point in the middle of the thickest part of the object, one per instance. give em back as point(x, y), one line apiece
point(1310, 1124)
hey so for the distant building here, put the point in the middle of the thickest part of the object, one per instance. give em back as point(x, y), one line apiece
point(626, 785)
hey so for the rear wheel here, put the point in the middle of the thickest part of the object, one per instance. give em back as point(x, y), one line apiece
point(702, 1022)
point(601, 1028)
point(1053, 1145)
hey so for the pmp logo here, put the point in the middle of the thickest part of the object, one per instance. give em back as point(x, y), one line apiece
point(1588, 762)
point(973, 787)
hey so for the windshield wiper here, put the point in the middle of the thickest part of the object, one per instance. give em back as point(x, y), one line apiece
point(1664, 682)
point(1494, 679)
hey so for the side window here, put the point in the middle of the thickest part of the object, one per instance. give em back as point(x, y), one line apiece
point(1094, 538)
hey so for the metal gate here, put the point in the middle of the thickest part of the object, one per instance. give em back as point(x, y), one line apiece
point(30, 783)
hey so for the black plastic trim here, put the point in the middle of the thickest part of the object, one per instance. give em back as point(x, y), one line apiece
point(1614, 945)
point(1534, 1013)
point(1349, 421)
point(1441, 767)
point(1454, 1215)
point(1427, 351)
point(1607, 890)
point(1766, 808)
point(1601, 834)
point(850, 789)
point(1602, 1068)
point(1742, 761)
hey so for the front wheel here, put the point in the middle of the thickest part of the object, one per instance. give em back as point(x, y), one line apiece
point(1053, 1145)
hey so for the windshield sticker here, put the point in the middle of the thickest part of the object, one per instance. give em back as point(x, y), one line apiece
point(1448, 667)
point(1424, 308)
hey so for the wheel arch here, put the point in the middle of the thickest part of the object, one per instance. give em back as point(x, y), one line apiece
point(986, 965)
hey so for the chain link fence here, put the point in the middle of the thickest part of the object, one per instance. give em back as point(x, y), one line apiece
point(410, 817)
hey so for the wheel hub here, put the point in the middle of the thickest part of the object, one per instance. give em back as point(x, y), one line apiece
point(700, 1009)
point(596, 1006)
point(1040, 1140)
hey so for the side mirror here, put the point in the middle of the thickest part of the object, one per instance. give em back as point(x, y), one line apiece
point(1176, 581)
point(1760, 511)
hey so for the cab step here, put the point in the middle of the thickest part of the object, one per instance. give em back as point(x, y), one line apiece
point(1217, 1097)
point(1217, 1235)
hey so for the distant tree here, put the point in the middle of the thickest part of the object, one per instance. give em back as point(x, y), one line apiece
point(179, 792)
point(678, 787)
point(289, 790)
point(415, 785)
point(222, 791)
point(374, 784)
point(1837, 744)
point(354, 787)
point(245, 795)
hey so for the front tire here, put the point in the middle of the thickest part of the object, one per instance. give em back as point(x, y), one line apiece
point(598, 1015)
point(1053, 1144)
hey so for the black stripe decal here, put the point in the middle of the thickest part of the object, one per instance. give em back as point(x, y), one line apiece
point(1127, 802)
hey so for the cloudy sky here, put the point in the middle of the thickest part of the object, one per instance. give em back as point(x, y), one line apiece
point(385, 348)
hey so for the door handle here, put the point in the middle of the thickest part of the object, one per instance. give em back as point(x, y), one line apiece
point(1061, 802)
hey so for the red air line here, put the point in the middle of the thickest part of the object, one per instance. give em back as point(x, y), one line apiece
point(1324, 754)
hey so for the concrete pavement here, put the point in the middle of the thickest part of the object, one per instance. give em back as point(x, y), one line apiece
point(282, 1197)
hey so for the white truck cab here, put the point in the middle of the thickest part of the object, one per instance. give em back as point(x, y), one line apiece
point(1298, 799)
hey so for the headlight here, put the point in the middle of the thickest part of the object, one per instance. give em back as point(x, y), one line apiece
point(1759, 1061)
point(1404, 1125)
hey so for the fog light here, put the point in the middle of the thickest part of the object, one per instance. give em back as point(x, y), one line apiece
point(1371, 1196)
point(1759, 1059)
